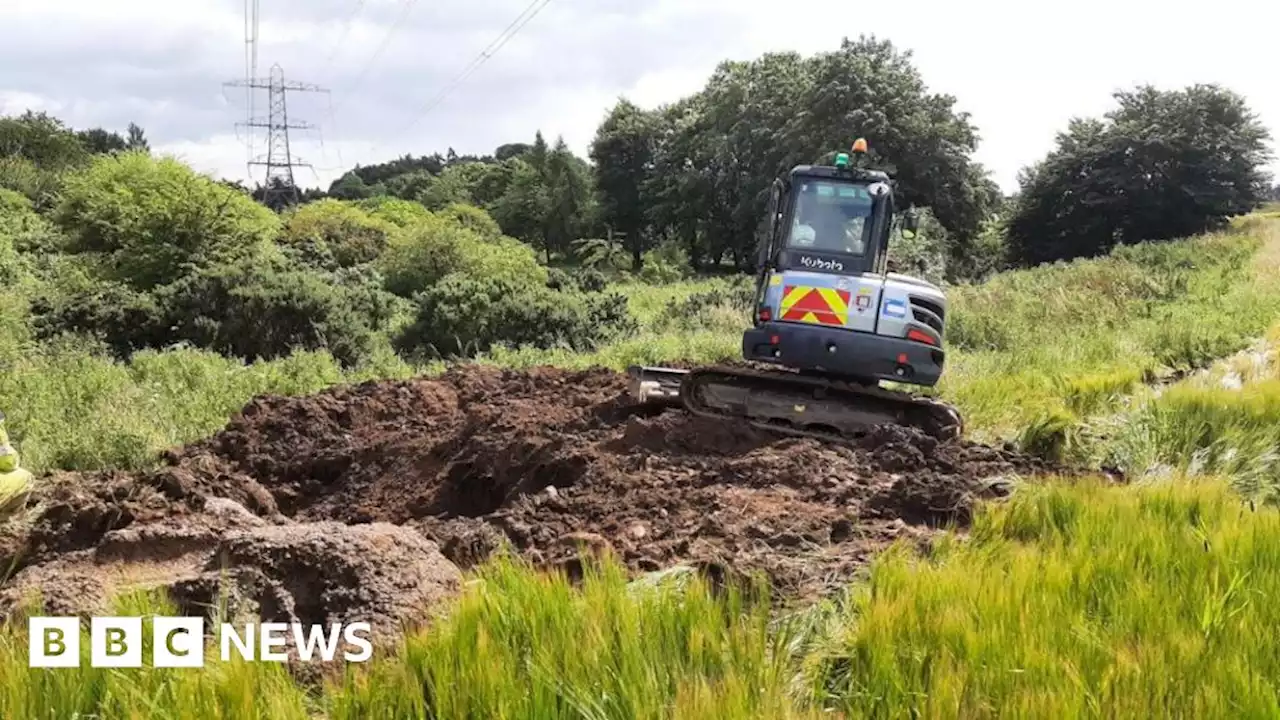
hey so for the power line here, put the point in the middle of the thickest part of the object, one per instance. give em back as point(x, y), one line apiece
point(406, 7)
point(333, 121)
point(346, 30)
point(489, 51)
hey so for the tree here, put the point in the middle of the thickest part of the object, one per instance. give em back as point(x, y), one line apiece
point(678, 193)
point(155, 220)
point(349, 187)
point(137, 139)
point(523, 207)
point(705, 164)
point(41, 139)
point(511, 150)
point(623, 152)
point(101, 142)
point(870, 89)
point(1163, 165)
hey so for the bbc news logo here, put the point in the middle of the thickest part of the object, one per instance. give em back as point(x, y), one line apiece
point(179, 642)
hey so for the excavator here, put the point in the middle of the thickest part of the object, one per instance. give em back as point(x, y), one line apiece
point(832, 320)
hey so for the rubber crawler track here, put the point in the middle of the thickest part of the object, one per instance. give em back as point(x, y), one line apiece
point(935, 418)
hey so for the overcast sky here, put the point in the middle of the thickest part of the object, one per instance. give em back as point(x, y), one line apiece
point(1021, 70)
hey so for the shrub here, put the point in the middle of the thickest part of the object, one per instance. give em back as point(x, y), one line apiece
point(14, 209)
point(27, 231)
point(438, 247)
point(664, 264)
point(729, 307)
point(121, 318)
point(560, 279)
point(602, 254)
point(155, 220)
point(402, 213)
point(363, 286)
point(588, 280)
point(11, 267)
point(463, 315)
point(591, 280)
point(472, 218)
point(255, 310)
point(332, 234)
point(22, 176)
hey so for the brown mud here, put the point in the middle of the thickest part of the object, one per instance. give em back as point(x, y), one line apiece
point(349, 501)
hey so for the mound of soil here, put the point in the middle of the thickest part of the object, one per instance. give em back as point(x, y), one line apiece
point(548, 459)
point(89, 537)
point(338, 506)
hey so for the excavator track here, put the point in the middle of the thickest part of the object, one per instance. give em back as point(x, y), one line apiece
point(787, 402)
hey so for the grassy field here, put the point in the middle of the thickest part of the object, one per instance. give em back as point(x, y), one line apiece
point(1146, 600)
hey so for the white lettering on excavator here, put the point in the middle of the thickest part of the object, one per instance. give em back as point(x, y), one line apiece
point(821, 264)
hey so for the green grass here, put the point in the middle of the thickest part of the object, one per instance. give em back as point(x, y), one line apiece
point(1070, 602)
point(69, 408)
point(1224, 421)
point(236, 689)
point(529, 645)
point(1074, 339)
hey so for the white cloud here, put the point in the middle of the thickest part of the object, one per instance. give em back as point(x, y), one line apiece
point(1021, 69)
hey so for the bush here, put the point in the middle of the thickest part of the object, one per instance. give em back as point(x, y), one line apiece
point(463, 315)
point(14, 209)
point(923, 256)
point(402, 213)
point(26, 230)
point(602, 254)
point(667, 263)
point(155, 220)
point(123, 319)
point(591, 280)
point(560, 279)
point(11, 266)
point(251, 310)
point(257, 311)
point(22, 176)
point(472, 218)
point(729, 306)
point(439, 246)
point(332, 234)
point(588, 280)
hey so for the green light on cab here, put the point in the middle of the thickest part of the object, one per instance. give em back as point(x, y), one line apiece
point(842, 160)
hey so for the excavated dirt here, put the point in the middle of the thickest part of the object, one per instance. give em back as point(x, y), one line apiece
point(348, 502)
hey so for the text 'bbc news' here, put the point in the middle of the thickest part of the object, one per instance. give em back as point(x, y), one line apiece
point(179, 642)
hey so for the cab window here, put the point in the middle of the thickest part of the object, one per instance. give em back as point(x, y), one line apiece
point(831, 216)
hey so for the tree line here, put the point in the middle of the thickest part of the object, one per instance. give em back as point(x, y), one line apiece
point(450, 256)
point(689, 179)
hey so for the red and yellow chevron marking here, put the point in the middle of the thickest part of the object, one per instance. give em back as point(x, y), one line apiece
point(822, 306)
